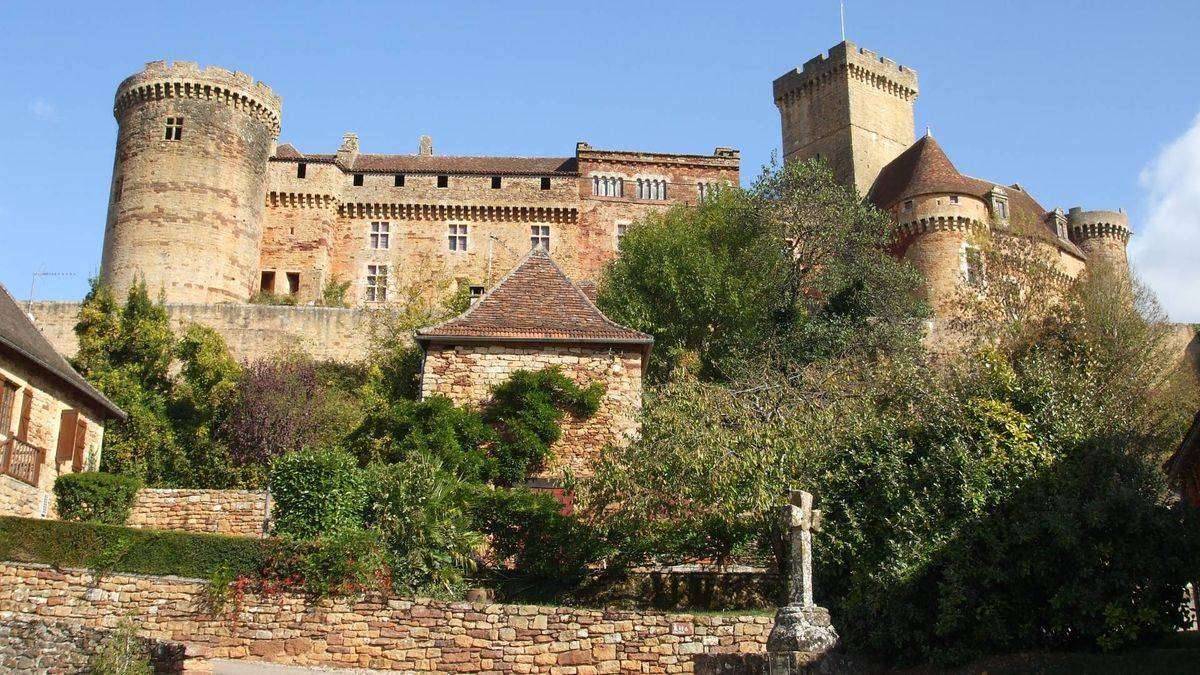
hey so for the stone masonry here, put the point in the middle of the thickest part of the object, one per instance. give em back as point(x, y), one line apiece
point(233, 512)
point(467, 374)
point(421, 636)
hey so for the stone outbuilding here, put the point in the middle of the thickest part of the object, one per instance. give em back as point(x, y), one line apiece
point(51, 419)
point(535, 318)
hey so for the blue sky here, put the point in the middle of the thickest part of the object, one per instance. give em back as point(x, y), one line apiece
point(1084, 103)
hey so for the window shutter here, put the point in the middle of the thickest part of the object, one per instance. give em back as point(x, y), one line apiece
point(80, 450)
point(26, 411)
point(66, 436)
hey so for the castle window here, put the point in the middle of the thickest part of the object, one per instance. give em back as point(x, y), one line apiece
point(651, 188)
point(545, 182)
point(293, 282)
point(358, 180)
point(266, 282)
point(620, 233)
point(1002, 209)
point(908, 206)
point(301, 170)
point(377, 277)
point(973, 266)
point(476, 293)
point(457, 235)
point(953, 199)
point(443, 181)
point(399, 180)
point(380, 233)
point(118, 188)
point(539, 237)
point(174, 129)
point(606, 186)
point(706, 190)
point(496, 182)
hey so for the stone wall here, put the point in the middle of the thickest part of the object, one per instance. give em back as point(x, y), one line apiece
point(49, 400)
point(407, 635)
point(48, 646)
point(252, 331)
point(467, 374)
point(234, 512)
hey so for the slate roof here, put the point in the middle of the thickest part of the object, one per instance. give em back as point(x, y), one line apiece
point(535, 302)
point(365, 163)
point(19, 334)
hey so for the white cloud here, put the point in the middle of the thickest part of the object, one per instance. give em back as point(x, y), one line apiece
point(1166, 249)
point(43, 109)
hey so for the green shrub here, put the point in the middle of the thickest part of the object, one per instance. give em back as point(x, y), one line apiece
point(529, 531)
point(418, 509)
point(121, 653)
point(343, 563)
point(434, 427)
point(123, 549)
point(527, 410)
point(95, 497)
point(315, 493)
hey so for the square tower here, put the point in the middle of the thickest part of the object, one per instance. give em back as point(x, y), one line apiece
point(851, 108)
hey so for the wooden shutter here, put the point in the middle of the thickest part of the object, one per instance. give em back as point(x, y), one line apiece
point(80, 451)
point(7, 394)
point(66, 436)
point(26, 411)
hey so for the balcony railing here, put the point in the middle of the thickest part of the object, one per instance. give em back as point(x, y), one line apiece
point(22, 461)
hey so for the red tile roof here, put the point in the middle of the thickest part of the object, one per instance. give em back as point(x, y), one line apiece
point(535, 302)
point(527, 166)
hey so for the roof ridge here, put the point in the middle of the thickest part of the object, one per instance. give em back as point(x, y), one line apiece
point(486, 294)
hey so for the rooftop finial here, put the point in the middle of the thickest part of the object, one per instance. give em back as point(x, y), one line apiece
point(928, 132)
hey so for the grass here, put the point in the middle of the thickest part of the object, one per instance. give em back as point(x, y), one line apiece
point(121, 549)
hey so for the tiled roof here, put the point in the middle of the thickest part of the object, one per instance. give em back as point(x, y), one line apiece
point(535, 302)
point(18, 333)
point(924, 168)
point(920, 170)
point(527, 166)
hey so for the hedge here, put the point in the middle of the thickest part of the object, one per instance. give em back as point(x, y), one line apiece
point(121, 549)
point(95, 497)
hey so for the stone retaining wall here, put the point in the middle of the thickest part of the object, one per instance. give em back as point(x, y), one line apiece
point(236, 512)
point(408, 635)
point(38, 646)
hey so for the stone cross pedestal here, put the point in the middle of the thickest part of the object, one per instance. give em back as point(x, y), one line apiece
point(803, 633)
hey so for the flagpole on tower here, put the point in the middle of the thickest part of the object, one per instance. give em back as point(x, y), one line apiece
point(842, 5)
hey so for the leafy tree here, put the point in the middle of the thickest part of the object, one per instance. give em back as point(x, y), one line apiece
point(797, 260)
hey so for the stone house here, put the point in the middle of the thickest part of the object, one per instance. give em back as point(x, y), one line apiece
point(535, 318)
point(51, 419)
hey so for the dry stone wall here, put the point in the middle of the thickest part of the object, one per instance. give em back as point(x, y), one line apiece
point(37, 646)
point(386, 634)
point(234, 512)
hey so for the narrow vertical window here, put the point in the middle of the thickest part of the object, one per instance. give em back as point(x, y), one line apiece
point(539, 237)
point(973, 266)
point(301, 170)
point(174, 130)
point(620, 233)
point(457, 237)
point(545, 182)
point(118, 188)
point(377, 278)
point(496, 182)
point(595, 186)
point(380, 234)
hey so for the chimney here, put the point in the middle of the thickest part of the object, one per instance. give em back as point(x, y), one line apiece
point(349, 150)
point(426, 146)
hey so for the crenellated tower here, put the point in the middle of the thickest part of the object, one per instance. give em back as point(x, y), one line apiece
point(189, 182)
point(1102, 235)
point(852, 108)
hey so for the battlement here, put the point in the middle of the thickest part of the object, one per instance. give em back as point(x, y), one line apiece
point(1090, 224)
point(187, 79)
point(862, 63)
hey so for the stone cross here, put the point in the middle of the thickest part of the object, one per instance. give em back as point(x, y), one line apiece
point(800, 520)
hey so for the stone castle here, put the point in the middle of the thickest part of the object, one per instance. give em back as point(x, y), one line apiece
point(207, 206)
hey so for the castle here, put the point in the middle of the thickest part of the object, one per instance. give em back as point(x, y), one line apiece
point(207, 206)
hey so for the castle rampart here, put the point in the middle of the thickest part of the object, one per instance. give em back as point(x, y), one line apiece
point(1102, 235)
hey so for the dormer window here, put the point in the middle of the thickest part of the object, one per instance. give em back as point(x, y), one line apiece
point(1002, 209)
point(998, 200)
point(908, 206)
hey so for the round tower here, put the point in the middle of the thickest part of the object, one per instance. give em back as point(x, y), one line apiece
point(1102, 235)
point(189, 182)
point(936, 235)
